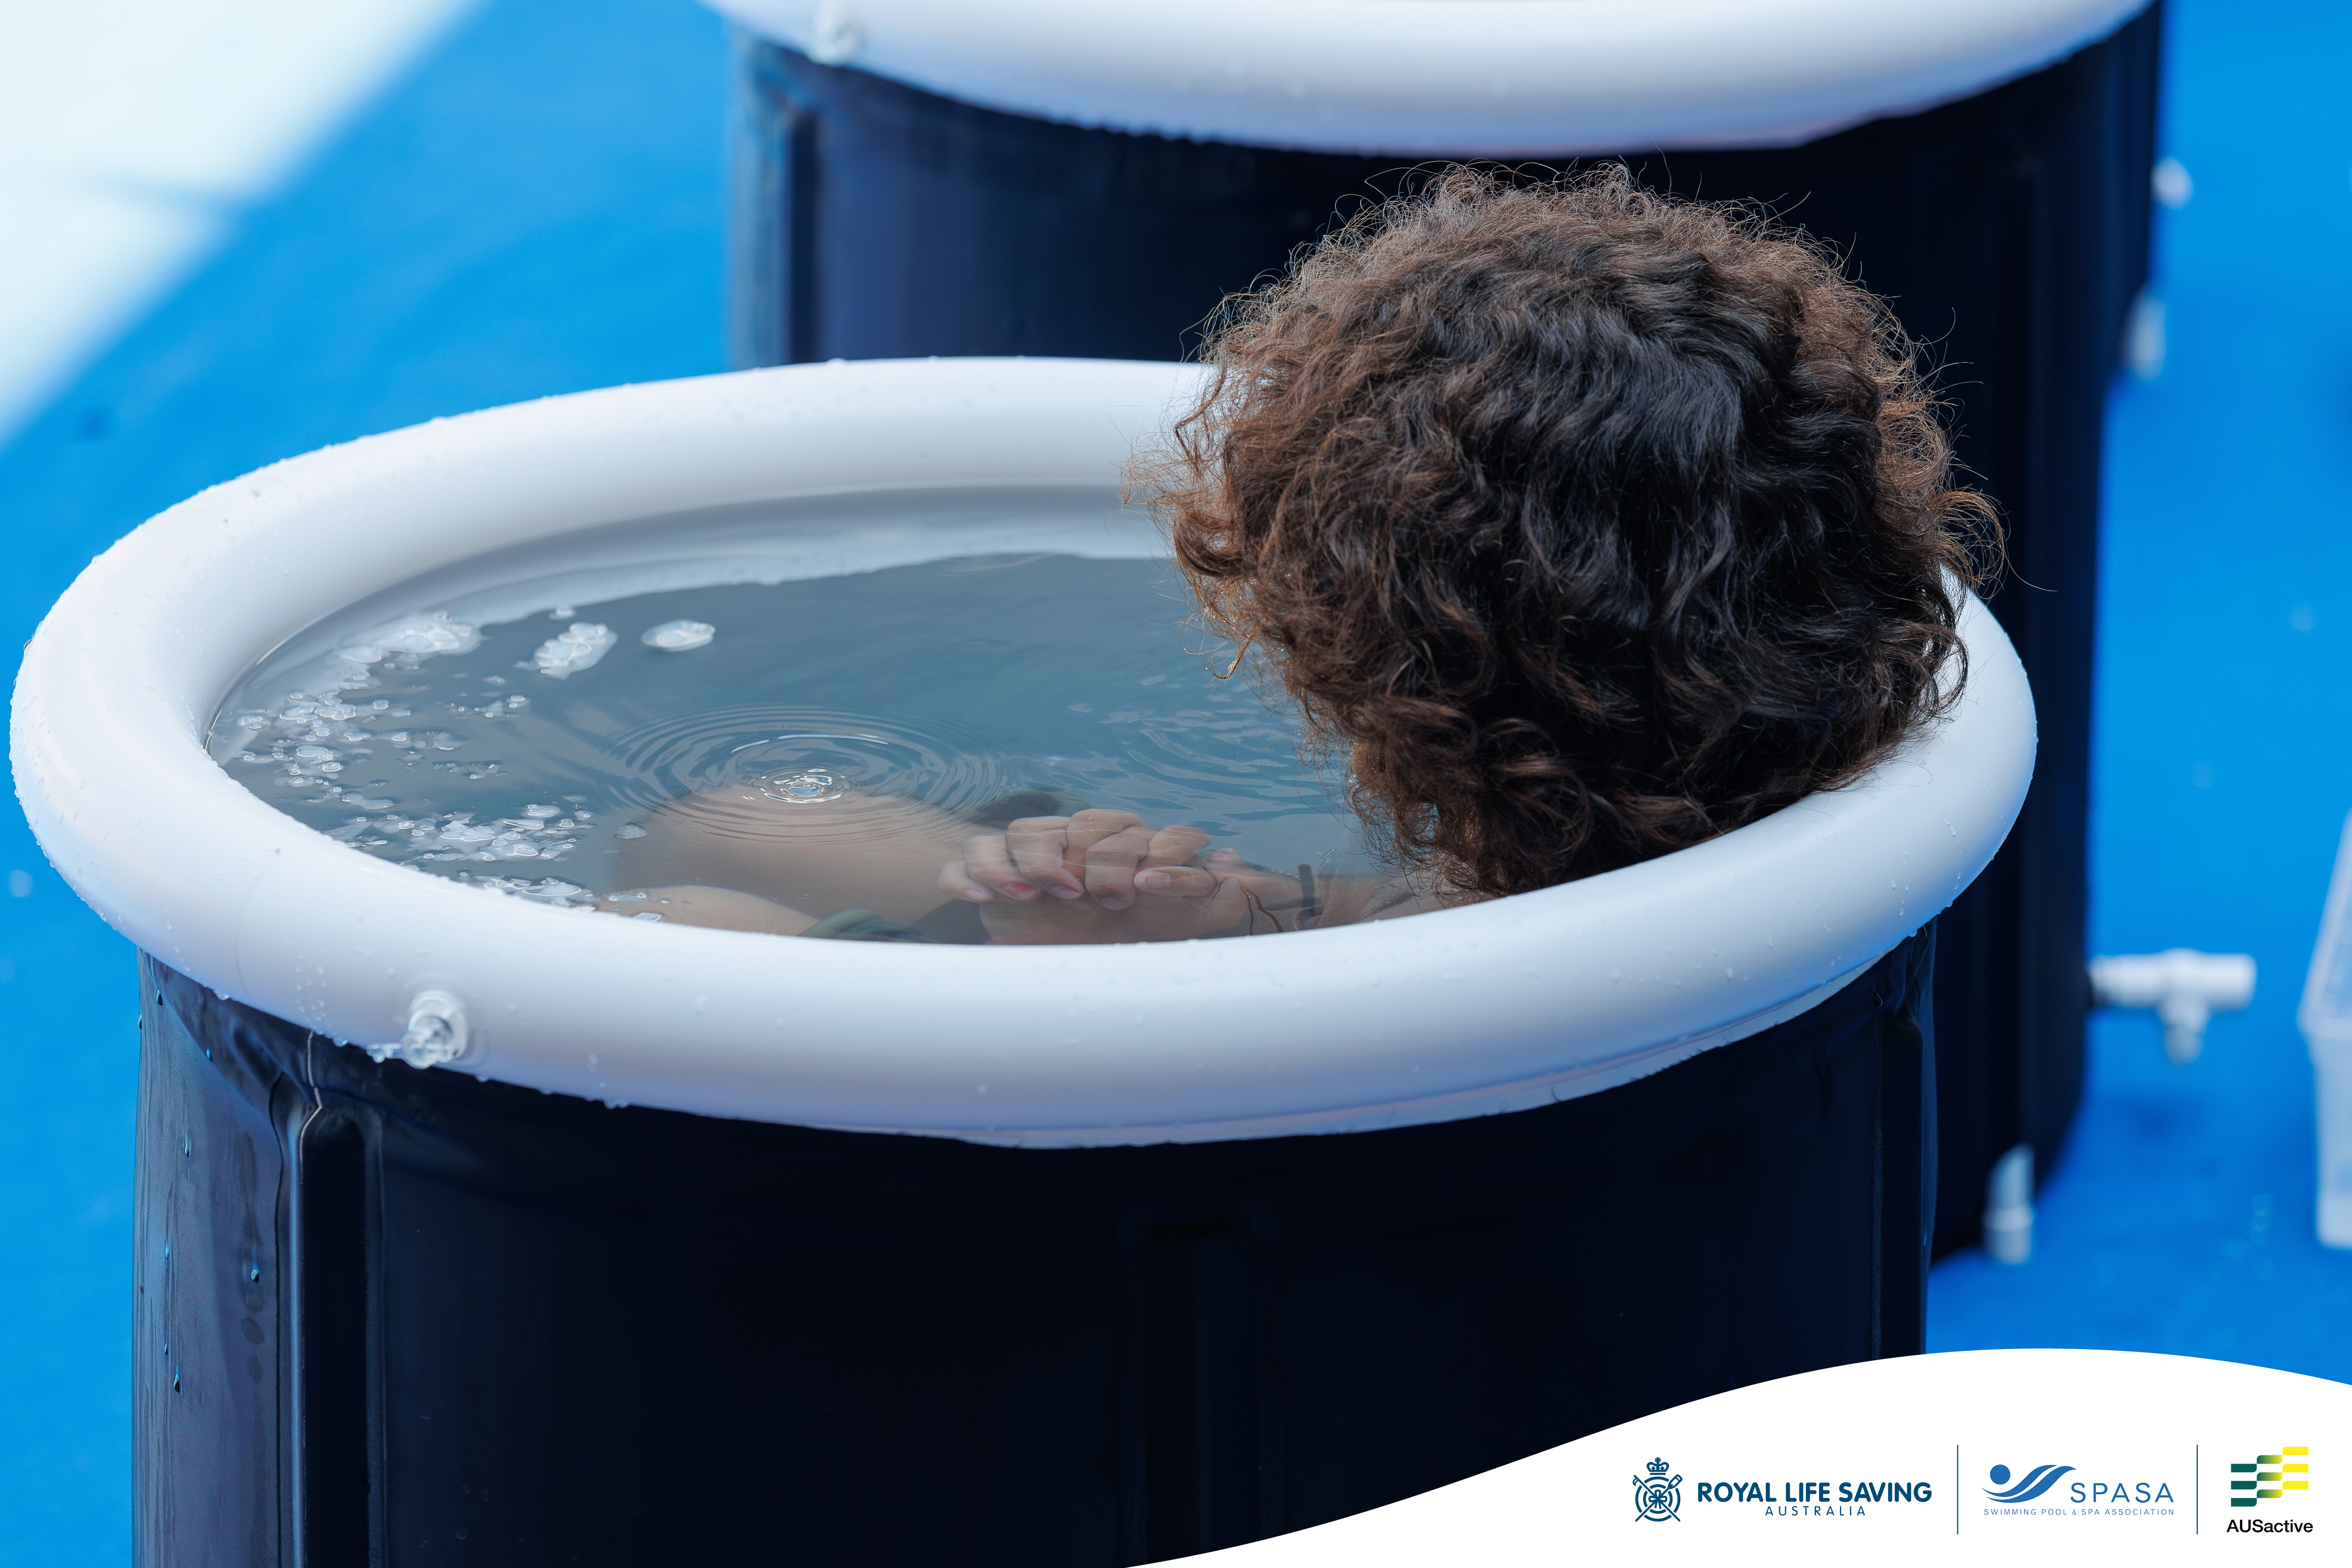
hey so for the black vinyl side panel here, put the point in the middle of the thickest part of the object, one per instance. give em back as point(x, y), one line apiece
point(528, 1328)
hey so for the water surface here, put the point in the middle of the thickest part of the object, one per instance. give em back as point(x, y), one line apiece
point(525, 752)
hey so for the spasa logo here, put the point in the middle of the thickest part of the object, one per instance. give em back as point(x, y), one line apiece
point(1655, 1497)
point(2036, 1481)
point(2269, 1475)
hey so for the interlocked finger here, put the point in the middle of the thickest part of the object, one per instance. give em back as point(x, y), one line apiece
point(1175, 881)
point(1175, 846)
point(1040, 849)
point(988, 863)
point(1110, 866)
point(1172, 866)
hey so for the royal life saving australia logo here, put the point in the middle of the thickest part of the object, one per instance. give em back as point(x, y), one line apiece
point(1658, 1496)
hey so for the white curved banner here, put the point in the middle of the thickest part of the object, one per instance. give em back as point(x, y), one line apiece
point(2009, 1456)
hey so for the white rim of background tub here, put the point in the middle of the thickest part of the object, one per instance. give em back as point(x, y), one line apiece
point(1463, 77)
point(1493, 1006)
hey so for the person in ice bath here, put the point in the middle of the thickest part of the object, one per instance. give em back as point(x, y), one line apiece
point(1584, 524)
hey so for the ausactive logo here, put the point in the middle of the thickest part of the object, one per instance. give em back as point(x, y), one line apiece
point(2037, 1480)
point(2269, 1475)
point(1655, 1498)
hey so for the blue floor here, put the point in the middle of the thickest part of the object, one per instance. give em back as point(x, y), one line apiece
point(538, 209)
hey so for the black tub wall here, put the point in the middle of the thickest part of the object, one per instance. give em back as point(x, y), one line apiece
point(2009, 231)
point(415, 1318)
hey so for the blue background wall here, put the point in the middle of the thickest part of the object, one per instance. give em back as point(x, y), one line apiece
point(536, 209)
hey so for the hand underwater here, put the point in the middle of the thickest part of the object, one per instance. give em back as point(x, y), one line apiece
point(1104, 876)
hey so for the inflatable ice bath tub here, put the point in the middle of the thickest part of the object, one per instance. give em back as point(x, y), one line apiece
point(707, 1242)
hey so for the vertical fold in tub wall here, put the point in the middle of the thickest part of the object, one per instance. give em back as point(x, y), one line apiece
point(258, 1401)
point(409, 1307)
point(212, 1311)
point(2009, 230)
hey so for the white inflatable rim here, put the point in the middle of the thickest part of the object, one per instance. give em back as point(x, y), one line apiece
point(1463, 77)
point(1495, 1006)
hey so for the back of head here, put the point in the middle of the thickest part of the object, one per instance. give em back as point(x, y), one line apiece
point(1590, 523)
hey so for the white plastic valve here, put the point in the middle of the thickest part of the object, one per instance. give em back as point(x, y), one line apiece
point(2185, 987)
point(436, 1032)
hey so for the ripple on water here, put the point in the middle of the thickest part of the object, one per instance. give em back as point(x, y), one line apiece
point(788, 759)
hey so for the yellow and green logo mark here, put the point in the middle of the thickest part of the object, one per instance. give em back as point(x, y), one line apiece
point(2269, 1475)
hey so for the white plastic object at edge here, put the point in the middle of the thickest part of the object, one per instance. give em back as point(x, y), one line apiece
point(2184, 988)
point(1467, 78)
point(2326, 1016)
point(2008, 1225)
point(1493, 1006)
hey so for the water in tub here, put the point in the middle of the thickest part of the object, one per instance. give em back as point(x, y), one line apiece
point(810, 754)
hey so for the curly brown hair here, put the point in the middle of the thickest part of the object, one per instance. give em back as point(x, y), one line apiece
point(1588, 522)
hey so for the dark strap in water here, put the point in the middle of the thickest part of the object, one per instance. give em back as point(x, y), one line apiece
point(953, 923)
point(865, 925)
point(1033, 800)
